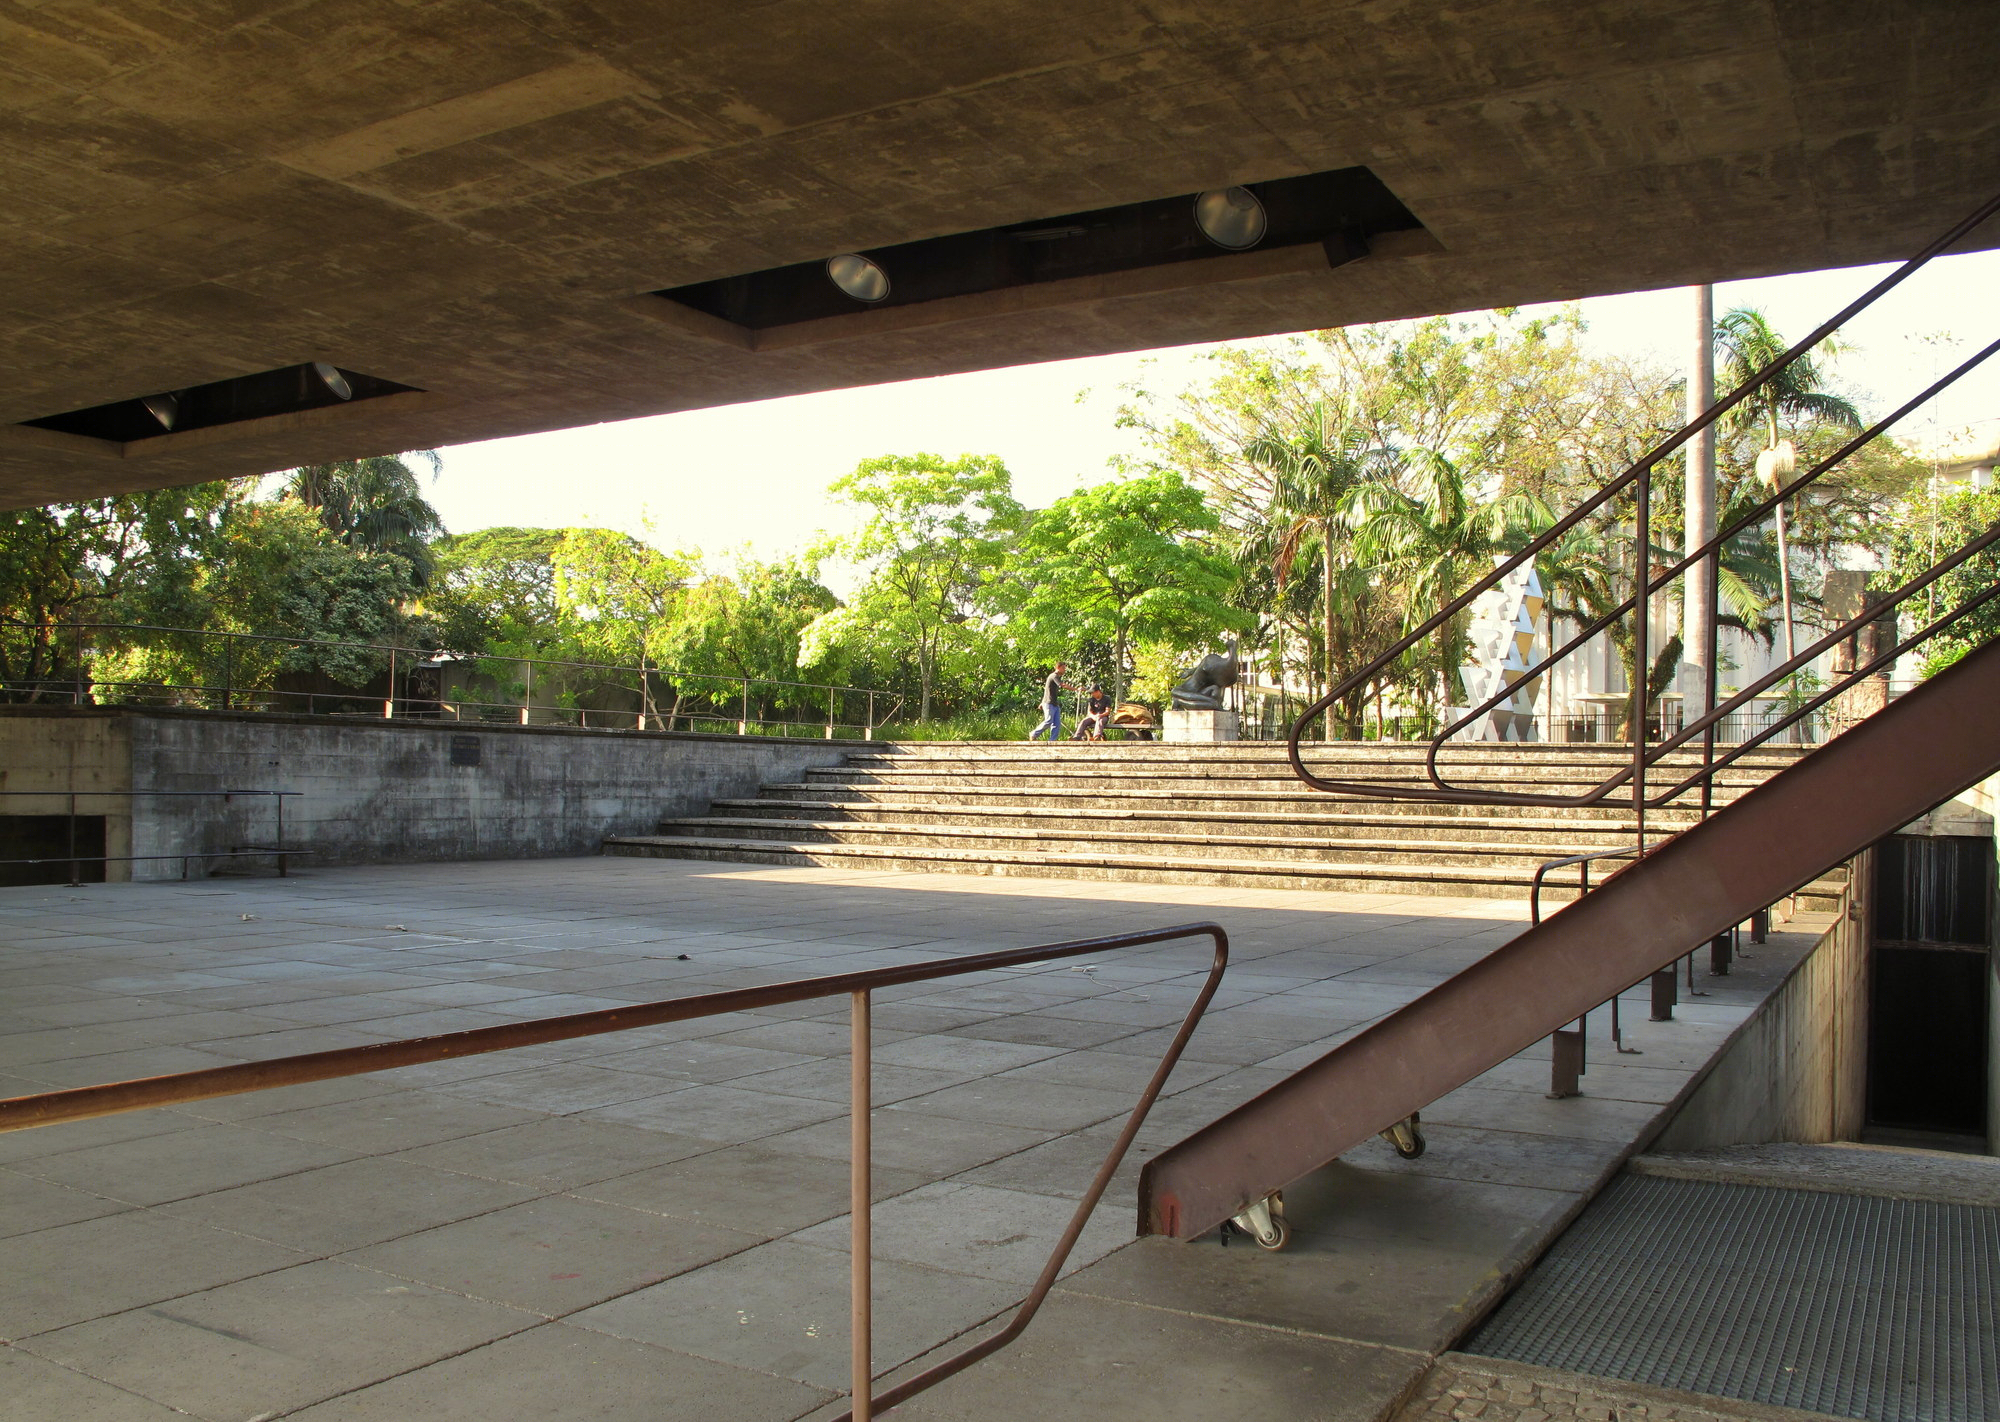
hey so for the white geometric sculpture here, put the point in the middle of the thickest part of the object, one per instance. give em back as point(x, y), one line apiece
point(1503, 635)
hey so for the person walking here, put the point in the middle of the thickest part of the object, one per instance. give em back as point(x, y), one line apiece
point(1052, 690)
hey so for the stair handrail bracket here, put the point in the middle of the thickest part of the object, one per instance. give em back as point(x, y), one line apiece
point(1922, 749)
point(82, 1103)
point(1647, 582)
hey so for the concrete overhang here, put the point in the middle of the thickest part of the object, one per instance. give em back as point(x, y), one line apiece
point(477, 201)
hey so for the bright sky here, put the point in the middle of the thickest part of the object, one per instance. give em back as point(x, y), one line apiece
point(1053, 424)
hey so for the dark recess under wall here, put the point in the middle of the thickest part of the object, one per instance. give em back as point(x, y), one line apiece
point(1927, 1012)
point(48, 837)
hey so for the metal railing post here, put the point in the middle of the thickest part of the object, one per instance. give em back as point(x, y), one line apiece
point(829, 713)
point(389, 701)
point(861, 1304)
point(868, 734)
point(743, 720)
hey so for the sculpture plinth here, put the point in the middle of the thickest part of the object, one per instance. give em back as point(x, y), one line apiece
point(1199, 726)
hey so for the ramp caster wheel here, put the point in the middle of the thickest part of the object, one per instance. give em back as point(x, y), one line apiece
point(1407, 1137)
point(1264, 1222)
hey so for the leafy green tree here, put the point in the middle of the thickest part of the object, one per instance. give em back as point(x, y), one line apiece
point(1125, 561)
point(936, 531)
point(133, 558)
point(1326, 471)
point(619, 598)
point(749, 625)
point(495, 590)
point(1925, 530)
point(375, 504)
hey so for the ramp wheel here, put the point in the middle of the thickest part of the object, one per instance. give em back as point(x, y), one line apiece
point(1407, 1137)
point(1264, 1222)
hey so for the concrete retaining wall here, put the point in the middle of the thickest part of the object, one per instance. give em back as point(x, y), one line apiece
point(386, 791)
point(1797, 1070)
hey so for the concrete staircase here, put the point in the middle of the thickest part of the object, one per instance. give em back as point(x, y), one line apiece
point(1215, 815)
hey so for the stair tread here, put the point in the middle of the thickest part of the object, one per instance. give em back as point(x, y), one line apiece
point(1513, 847)
point(1264, 867)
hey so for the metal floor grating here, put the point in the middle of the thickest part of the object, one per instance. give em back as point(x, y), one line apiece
point(1848, 1304)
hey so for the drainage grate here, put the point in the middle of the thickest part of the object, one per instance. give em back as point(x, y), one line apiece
point(1848, 1304)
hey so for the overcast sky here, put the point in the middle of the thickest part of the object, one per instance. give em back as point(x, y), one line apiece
point(779, 455)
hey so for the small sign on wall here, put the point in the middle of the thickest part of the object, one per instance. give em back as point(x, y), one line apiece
point(464, 750)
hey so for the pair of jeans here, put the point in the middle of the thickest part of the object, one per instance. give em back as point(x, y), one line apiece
point(1051, 722)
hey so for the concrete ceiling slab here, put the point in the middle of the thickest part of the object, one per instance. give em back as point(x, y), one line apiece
point(475, 197)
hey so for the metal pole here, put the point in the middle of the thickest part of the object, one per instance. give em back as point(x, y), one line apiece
point(868, 732)
point(1785, 595)
point(829, 713)
point(860, 1195)
point(743, 722)
point(528, 695)
point(1641, 649)
point(228, 671)
point(1698, 524)
point(389, 701)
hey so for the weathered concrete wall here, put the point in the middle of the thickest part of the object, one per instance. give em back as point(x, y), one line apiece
point(62, 751)
point(384, 792)
point(1797, 1070)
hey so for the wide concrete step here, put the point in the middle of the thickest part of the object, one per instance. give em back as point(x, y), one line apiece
point(1227, 784)
point(1214, 844)
point(1333, 824)
point(1213, 799)
point(1477, 881)
point(1317, 753)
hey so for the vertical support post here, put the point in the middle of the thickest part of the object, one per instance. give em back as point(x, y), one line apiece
point(1760, 926)
point(389, 701)
point(228, 670)
point(1721, 949)
point(528, 693)
point(1566, 1062)
point(868, 732)
point(1665, 993)
point(743, 720)
point(829, 713)
point(861, 1320)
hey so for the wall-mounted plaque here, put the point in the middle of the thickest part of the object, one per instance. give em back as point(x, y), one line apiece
point(464, 750)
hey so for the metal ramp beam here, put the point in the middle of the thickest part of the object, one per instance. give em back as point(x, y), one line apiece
point(1922, 749)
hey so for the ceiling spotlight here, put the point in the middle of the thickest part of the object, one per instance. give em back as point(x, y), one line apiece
point(333, 380)
point(858, 277)
point(164, 408)
point(1231, 217)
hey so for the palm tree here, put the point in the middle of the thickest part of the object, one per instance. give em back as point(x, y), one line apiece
point(375, 504)
point(1746, 344)
point(1585, 576)
point(1431, 536)
point(1319, 472)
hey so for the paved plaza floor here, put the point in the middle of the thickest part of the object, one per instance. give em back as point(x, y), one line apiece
point(652, 1225)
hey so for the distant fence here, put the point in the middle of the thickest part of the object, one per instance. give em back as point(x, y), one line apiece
point(244, 671)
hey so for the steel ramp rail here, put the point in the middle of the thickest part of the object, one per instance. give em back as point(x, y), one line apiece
point(1922, 749)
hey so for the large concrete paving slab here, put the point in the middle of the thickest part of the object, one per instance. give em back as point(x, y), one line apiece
point(654, 1223)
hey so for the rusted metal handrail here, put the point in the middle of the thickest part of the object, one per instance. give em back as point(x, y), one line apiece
point(1638, 479)
point(82, 1103)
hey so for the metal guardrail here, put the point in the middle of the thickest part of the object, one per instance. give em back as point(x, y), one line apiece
point(1648, 580)
point(283, 852)
point(720, 700)
point(84, 1103)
